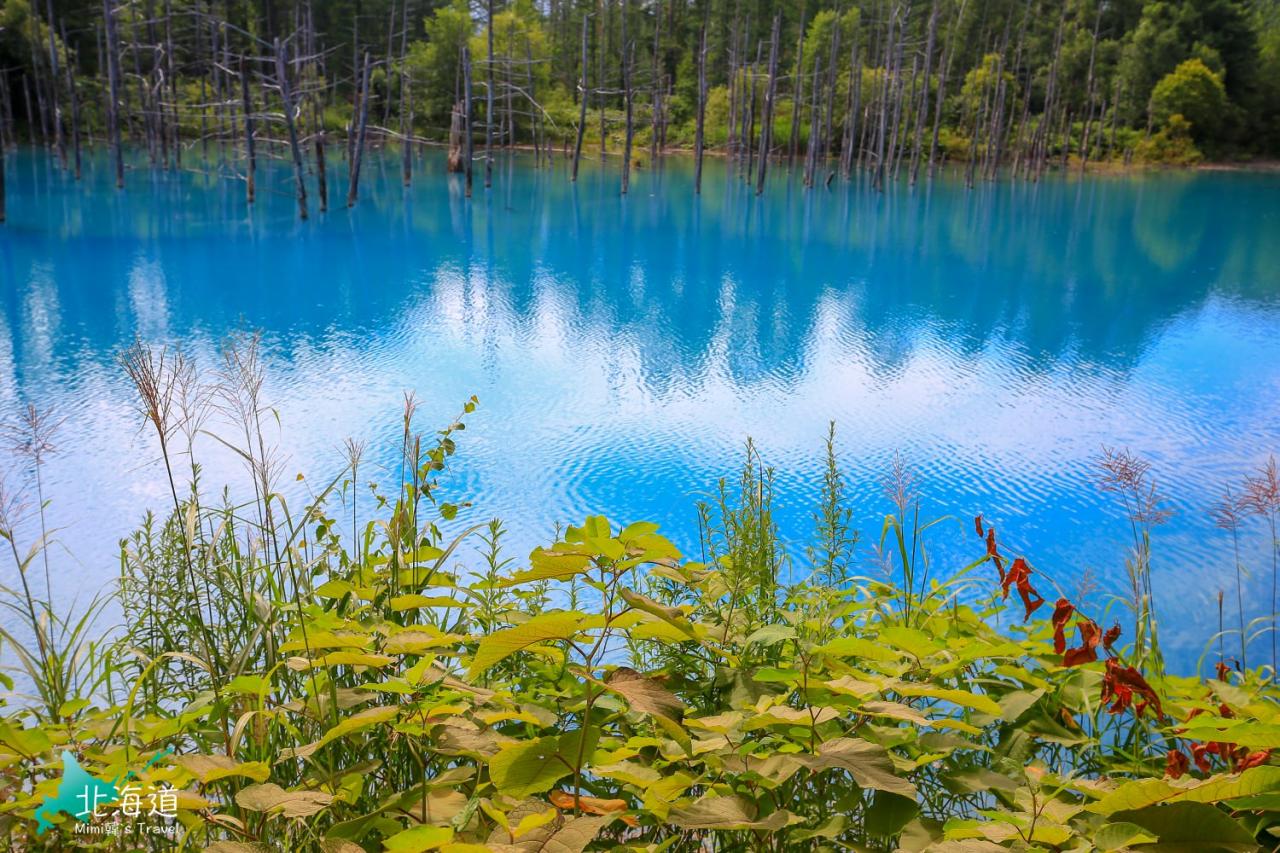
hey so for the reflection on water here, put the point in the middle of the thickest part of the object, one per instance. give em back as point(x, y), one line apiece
point(624, 348)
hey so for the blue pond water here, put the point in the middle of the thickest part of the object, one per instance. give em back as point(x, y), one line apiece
point(623, 349)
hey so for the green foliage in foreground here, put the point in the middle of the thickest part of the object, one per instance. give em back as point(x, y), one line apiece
point(609, 694)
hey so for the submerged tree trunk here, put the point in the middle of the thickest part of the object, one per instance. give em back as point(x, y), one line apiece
point(798, 94)
point(766, 134)
point(322, 179)
point(353, 187)
point(74, 97)
point(113, 88)
point(699, 134)
point(251, 160)
point(488, 114)
point(923, 112)
point(287, 99)
point(627, 55)
point(582, 101)
point(466, 94)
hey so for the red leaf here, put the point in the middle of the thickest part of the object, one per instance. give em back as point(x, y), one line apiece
point(1086, 652)
point(1176, 763)
point(1061, 613)
point(994, 554)
point(1109, 638)
point(1253, 759)
point(1019, 575)
point(1200, 752)
point(1119, 685)
point(977, 524)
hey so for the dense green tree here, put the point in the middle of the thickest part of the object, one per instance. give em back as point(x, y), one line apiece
point(1196, 93)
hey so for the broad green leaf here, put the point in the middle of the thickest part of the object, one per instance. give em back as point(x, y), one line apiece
point(275, 800)
point(496, 647)
point(1240, 732)
point(357, 721)
point(400, 603)
point(984, 704)
point(868, 763)
point(771, 635)
point(734, 813)
point(533, 766)
point(210, 768)
point(418, 839)
point(889, 813)
point(1191, 824)
point(644, 694)
point(856, 648)
point(1141, 793)
point(559, 562)
point(1120, 835)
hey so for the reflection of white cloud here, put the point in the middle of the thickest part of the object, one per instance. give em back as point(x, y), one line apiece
point(8, 369)
point(41, 316)
point(149, 299)
point(583, 411)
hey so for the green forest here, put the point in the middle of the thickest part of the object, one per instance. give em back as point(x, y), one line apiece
point(891, 86)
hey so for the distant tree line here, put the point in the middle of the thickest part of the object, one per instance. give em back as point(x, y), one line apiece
point(893, 87)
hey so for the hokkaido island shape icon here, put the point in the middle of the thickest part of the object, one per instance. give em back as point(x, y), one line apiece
point(80, 794)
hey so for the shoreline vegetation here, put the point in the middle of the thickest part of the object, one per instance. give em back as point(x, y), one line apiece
point(325, 676)
point(885, 88)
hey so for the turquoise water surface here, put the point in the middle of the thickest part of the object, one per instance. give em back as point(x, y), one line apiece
point(624, 348)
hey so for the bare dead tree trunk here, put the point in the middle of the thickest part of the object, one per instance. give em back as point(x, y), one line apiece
point(942, 87)
point(749, 120)
point(406, 98)
point(251, 160)
point(353, 187)
point(113, 88)
point(656, 82)
point(854, 105)
point(1089, 92)
point(74, 98)
point(488, 115)
point(923, 112)
point(731, 140)
point(286, 97)
point(699, 136)
point(582, 101)
point(884, 103)
point(322, 179)
point(466, 95)
point(766, 131)
point(811, 152)
point(628, 54)
point(59, 141)
point(600, 84)
point(798, 94)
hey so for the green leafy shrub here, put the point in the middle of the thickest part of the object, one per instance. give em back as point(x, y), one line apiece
point(332, 682)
